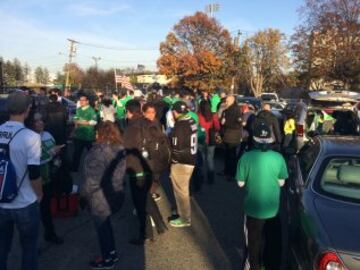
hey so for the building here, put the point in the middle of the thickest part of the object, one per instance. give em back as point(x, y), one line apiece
point(152, 78)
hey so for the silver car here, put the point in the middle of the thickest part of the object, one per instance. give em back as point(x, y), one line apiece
point(328, 113)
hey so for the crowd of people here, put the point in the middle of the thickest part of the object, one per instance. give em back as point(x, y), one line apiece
point(120, 137)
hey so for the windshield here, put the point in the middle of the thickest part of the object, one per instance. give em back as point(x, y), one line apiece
point(341, 179)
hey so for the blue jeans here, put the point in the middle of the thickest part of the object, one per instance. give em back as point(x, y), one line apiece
point(27, 221)
point(208, 153)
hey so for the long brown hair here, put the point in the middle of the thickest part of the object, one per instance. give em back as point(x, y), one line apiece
point(108, 132)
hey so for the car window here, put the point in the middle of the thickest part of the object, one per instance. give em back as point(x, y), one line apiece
point(307, 158)
point(341, 178)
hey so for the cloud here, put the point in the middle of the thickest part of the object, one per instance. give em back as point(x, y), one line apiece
point(92, 9)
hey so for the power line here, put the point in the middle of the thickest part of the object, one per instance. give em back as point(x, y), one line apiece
point(116, 48)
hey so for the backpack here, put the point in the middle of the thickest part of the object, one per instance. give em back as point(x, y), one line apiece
point(8, 178)
point(156, 144)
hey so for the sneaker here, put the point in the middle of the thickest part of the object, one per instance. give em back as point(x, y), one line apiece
point(173, 217)
point(114, 256)
point(156, 197)
point(99, 263)
point(179, 223)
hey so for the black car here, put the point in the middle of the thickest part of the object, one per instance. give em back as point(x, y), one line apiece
point(255, 102)
point(324, 204)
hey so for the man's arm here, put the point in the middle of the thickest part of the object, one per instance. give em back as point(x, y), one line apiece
point(35, 181)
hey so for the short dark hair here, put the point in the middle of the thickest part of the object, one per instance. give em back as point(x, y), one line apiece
point(18, 103)
point(83, 95)
point(106, 101)
point(56, 91)
point(122, 93)
point(133, 106)
point(43, 89)
point(148, 105)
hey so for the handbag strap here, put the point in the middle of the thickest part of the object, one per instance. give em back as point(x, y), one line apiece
point(23, 177)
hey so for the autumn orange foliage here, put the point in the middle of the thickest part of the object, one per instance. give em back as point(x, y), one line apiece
point(197, 54)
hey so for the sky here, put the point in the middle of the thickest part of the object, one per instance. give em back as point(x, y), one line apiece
point(36, 31)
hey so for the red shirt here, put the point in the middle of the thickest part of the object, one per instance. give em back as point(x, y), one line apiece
point(207, 125)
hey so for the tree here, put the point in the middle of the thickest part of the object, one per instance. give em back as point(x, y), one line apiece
point(196, 54)
point(46, 76)
point(18, 72)
point(9, 73)
point(326, 45)
point(42, 75)
point(263, 61)
point(26, 72)
point(76, 75)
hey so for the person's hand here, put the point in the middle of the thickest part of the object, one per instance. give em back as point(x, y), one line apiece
point(56, 149)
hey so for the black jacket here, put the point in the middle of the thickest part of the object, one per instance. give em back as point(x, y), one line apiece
point(232, 128)
point(136, 164)
point(184, 141)
point(56, 122)
point(273, 124)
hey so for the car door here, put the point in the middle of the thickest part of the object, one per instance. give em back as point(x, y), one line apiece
point(300, 167)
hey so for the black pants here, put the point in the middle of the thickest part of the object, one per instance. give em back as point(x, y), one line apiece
point(154, 212)
point(45, 210)
point(79, 146)
point(140, 187)
point(106, 237)
point(231, 159)
point(197, 177)
point(264, 243)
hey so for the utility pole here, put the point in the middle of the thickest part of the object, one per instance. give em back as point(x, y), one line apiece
point(72, 52)
point(96, 59)
point(237, 46)
point(211, 8)
point(1, 75)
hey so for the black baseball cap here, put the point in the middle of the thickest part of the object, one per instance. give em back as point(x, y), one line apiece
point(180, 107)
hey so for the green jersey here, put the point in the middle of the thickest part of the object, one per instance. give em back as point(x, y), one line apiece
point(261, 171)
point(85, 132)
point(47, 144)
point(120, 107)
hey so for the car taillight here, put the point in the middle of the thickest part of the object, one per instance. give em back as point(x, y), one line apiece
point(300, 130)
point(330, 261)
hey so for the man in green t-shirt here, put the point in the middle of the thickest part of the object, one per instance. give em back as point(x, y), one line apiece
point(119, 102)
point(85, 121)
point(261, 172)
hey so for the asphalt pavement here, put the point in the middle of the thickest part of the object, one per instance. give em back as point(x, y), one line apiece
point(214, 241)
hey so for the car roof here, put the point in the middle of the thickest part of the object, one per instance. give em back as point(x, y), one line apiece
point(340, 145)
